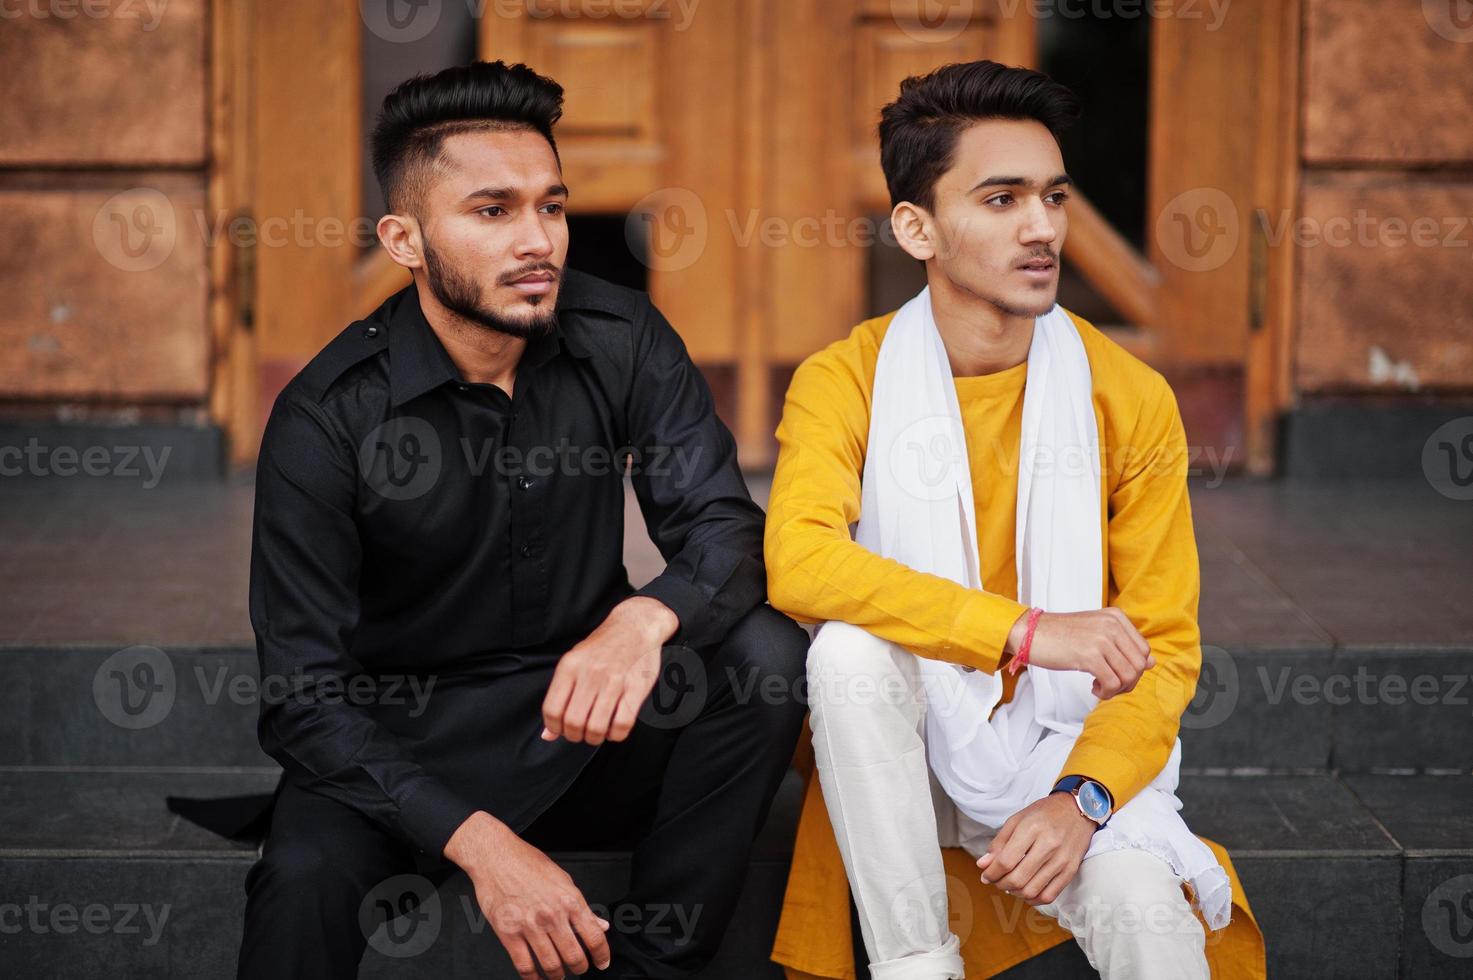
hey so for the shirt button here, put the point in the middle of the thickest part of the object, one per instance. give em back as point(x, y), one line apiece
point(371, 332)
point(526, 551)
point(464, 387)
point(524, 483)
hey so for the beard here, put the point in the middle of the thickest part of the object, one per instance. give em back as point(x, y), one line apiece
point(461, 295)
point(1034, 308)
point(1011, 306)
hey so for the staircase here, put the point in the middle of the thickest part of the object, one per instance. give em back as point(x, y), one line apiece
point(1328, 748)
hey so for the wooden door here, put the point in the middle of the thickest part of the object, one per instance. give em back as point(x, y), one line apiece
point(737, 142)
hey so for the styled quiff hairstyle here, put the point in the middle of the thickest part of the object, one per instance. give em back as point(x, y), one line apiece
point(483, 96)
point(919, 130)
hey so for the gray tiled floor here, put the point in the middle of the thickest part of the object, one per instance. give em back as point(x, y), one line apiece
point(1285, 565)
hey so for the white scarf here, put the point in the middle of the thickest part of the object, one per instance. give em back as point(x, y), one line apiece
point(917, 508)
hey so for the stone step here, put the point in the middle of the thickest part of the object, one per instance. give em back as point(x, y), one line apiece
point(99, 878)
point(1353, 710)
point(1363, 876)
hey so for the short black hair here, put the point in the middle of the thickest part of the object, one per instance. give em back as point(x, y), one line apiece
point(919, 130)
point(483, 95)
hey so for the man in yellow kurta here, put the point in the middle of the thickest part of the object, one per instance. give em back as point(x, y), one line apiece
point(979, 189)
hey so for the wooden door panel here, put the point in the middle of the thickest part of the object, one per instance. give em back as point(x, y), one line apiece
point(609, 72)
point(888, 51)
point(650, 120)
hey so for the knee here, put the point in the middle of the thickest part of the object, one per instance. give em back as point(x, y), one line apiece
point(769, 643)
point(311, 869)
point(297, 866)
point(850, 666)
point(1132, 900)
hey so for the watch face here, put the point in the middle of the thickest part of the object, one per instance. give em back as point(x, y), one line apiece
point(1093, 801)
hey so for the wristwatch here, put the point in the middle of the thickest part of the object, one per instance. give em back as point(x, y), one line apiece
point(1091, 797)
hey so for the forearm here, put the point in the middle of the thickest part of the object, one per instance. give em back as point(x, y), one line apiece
point(337, 751)
point(817, 575)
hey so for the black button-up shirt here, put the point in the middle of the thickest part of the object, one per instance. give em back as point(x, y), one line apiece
point(412, 528)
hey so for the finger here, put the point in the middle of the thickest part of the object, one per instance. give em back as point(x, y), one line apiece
point(1140, 647)
point(590, 929)
point(1107, 682)
point(521, 956)
point(1028, 867)
point(1007, 858)
point(625, 716)
point(1133, 647)
point(1138, 639)
point(985, 862)
point(546, 954)
point(1120, 663)
point(1130, 673)
point(556, 703)
point(1130, 665)
point(1055, 884)
point(572, 955)
point(575, 719)
point(601, 715)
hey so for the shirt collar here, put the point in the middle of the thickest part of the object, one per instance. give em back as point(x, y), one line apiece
point(418, 362)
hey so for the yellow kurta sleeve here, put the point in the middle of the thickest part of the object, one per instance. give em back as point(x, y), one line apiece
point(1155, 580)
point(815, 570)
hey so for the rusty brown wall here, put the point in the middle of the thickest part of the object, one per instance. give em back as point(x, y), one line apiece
point(1384, 236)
point(103, 166)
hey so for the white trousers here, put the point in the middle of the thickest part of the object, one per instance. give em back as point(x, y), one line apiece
point(1125, 908)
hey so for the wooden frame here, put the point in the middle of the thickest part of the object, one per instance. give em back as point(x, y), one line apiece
point(1268, 363)
point(232, 356)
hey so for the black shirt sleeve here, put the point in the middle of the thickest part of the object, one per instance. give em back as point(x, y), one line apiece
point(690, 490)
point(304, 605)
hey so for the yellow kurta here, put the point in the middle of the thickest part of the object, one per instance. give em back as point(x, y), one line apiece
point(816, 572)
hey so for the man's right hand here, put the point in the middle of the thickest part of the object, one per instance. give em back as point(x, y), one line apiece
point(533, 906)
point(1100, 642)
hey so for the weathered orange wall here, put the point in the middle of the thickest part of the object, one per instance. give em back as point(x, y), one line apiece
point(1385, 244)
point(102, 195)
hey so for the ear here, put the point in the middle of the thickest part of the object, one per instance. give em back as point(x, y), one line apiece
point(915, 230)
point(400, 235)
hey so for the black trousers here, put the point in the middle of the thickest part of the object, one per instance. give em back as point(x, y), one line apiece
point(687, 791)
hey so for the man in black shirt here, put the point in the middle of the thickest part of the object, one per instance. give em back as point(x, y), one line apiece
point(455, 668)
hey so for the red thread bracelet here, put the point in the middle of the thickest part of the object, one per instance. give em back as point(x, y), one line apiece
point(1021, 660)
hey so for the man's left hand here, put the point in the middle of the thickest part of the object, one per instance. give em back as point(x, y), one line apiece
point(600, 684)
point(1039, 849)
